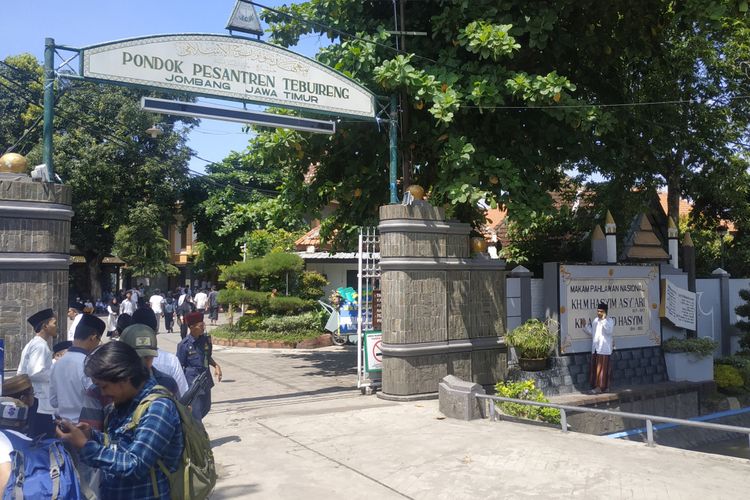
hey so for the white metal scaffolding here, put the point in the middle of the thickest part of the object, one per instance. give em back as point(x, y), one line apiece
point(368, 281)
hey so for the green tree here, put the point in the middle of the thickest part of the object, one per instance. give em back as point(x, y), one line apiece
point(20, 94)
point(101, 150)
point(453, 141)
point(500, 98)
point(140, 242)
point(238, 197)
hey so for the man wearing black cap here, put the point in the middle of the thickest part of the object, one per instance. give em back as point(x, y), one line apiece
point(601, 330)
point(59, 349)
point(75, 310)
point(36, 362)
point(74, 395)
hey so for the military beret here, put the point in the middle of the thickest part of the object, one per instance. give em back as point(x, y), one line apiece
point(193, 318)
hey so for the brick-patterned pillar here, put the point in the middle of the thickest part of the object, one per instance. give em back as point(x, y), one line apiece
point(443, 312)
point(34, 256)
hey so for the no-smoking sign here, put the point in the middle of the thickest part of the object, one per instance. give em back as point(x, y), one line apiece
point(374, 354)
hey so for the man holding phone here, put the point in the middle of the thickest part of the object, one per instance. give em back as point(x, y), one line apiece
point(601, 330)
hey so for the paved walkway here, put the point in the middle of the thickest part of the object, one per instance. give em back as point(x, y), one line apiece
point(287, 424)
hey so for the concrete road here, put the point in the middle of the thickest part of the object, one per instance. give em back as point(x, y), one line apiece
point(287, 424)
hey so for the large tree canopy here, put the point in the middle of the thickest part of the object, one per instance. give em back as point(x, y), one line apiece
point(501, 98)
point(102, 151)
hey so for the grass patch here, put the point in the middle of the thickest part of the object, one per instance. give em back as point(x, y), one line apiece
point(234, 333)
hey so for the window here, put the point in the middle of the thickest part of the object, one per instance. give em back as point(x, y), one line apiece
point(351, 278)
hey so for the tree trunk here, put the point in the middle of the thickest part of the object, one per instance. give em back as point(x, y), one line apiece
point(673, 195)
point(94, 269)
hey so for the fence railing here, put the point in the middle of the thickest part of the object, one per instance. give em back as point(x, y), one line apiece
point(649, 419)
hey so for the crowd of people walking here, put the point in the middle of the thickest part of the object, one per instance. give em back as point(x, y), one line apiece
point(120, 412)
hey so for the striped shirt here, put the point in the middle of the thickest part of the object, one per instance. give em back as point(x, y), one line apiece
point(127, 462)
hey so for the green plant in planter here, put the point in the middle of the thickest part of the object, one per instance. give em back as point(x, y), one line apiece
point(534, 339)
point(701, 347)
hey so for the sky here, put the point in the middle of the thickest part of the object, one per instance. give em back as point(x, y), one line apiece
point(79, 23)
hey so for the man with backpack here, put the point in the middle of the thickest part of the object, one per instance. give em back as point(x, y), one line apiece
point(124, 455)
point(151, 448)
point(32, 468)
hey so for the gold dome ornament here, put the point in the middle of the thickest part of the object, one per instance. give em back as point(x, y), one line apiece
point(416, 191)
point(478, 244)
point(13, 163)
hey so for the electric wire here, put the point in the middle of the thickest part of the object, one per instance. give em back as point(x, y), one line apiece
point(95, 128)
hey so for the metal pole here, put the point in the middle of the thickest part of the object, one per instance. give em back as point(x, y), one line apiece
point(649, 432)
point(49, 104)
point(563, 421)
point(393, 139)
point(722, 251)
point(360, 343)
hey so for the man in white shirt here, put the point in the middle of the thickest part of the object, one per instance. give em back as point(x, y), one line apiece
point(201, 301)
point(165, 362)
point(127, 306)
point(157, 302)
point(75, 310)
point(36, 362)
point(601, 330)
point(74, 395)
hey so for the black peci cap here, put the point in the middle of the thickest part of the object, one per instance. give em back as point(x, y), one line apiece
point(89, 325)
point(36, 319)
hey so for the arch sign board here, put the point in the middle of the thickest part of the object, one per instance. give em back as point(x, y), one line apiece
point(230, 68)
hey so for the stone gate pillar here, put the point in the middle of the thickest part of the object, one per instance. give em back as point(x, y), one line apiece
point(34, 256)
point(443, 312)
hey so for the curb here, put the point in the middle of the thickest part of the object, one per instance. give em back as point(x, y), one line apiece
point(321, 341)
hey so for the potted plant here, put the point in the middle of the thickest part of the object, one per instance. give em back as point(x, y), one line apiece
point(533, 342)
point(689, 359)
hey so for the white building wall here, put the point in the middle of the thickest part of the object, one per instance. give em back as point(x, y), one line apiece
point(334, 272)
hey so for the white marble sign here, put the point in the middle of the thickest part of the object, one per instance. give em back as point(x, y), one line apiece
point(679, 306)
point(630, 292)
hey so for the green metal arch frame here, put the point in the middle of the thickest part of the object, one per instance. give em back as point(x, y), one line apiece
point(49, 77)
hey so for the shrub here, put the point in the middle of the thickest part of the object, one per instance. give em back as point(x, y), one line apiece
point(727, 377)
point(307, 321)
point(271, 269)
point(526, 390)
point(311, 286)
point(741, 363)
point(249, 322)
point(533, 339)
point(703, 346)
point(289, 305)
